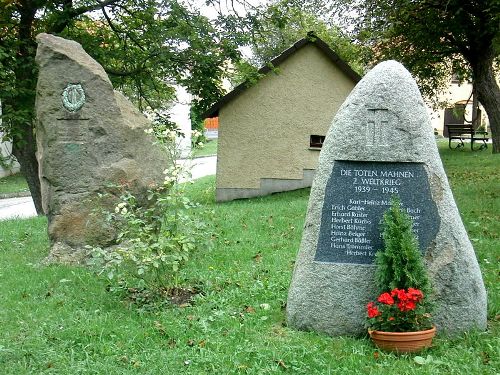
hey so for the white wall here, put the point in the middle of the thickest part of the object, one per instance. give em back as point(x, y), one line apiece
point(179, 114)
point(5, 151)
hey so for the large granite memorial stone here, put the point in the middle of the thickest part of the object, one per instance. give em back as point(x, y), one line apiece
point(380, 144)
point(89, 139)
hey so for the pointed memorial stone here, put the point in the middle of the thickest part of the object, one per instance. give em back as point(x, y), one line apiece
point(380, 143)
point(89, 138)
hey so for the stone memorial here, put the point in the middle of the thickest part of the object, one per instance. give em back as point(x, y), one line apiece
point(380, 144)
point(89, 138)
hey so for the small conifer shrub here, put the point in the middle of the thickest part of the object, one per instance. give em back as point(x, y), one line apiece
point(400, 264)
point(403, 304)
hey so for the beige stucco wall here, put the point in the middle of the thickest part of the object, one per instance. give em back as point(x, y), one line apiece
point(264, 132)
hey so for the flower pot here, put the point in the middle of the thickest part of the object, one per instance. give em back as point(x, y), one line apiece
point(403, 342)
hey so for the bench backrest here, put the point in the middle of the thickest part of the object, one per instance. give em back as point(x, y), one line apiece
point(457, 129)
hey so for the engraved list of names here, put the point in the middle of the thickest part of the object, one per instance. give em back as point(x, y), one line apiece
point(356, 196)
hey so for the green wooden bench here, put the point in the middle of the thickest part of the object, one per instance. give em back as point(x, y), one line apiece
point(465, 132)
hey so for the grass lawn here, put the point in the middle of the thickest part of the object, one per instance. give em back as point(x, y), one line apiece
point(208, 149)
point(60, 319)
point(13, 184)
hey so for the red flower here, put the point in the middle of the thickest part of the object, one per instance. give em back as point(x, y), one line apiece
point(386, 298)
point(406, 306)
point(399, 293)
point(372, 310)
point(415, 294)
point(406, 301)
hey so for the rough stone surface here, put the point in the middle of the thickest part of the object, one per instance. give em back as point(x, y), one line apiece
point(84, 148)
point(331, 297)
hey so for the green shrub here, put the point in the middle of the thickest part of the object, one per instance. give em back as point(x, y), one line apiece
point(154, 242)
point(155, 238)
point(400, 264)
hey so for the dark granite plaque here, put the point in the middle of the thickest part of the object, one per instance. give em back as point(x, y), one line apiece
point(356, 196)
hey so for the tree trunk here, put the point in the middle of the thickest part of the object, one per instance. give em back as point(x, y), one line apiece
point(476, 119)
point(25, 152)
point(488, 94)
point(23, 137)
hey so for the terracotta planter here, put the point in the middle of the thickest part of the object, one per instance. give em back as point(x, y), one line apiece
point(403, 342)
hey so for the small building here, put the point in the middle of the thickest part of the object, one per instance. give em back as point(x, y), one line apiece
point(270, 133)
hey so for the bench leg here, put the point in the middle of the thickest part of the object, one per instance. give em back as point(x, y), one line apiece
point(459, 145)
point(483, 146)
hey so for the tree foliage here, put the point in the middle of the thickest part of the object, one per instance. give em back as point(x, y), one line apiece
point(434, 39)
point(146, 46)
point(280, 24)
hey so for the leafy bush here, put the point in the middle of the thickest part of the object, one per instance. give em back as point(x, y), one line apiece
point(155, 238)
point(197, 126)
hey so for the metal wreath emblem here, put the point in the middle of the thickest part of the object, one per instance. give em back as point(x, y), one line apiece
point(73, 97)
